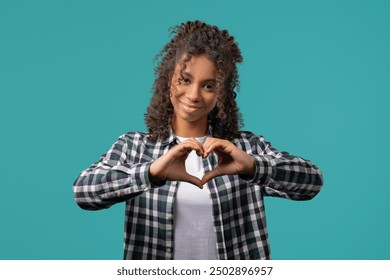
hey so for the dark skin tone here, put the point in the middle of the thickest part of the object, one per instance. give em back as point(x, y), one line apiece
point(193, 97)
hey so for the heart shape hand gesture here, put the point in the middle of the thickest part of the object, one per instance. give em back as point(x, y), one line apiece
point(231, 160)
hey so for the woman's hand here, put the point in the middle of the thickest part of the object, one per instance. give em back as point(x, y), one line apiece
point(171, 166)
point(231, 160)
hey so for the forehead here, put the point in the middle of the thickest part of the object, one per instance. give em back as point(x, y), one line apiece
point(199, 65)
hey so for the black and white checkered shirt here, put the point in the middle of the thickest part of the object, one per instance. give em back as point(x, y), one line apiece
point(238, 210)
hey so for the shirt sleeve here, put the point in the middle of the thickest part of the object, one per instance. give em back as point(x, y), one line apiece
point(116, 177)
point(282, 174)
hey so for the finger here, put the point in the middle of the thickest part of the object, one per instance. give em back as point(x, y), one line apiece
point(182, 150)
point(208, 141)
point(207, 144)
point(192, 180)
point(217, 146)
point(192, 144)
point(210, 175)
point(200, 150)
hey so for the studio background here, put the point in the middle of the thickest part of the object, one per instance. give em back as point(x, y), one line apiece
point(75, 75)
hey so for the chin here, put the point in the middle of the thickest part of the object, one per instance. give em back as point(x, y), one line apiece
point(192, 118)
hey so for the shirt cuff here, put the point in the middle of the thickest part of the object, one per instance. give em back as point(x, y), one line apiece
point(263, 170)
point(139, 174)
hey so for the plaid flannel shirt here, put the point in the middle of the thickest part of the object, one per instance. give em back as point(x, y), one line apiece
point(122, 174)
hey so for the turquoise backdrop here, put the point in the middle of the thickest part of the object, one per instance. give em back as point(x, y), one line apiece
point(74, 75)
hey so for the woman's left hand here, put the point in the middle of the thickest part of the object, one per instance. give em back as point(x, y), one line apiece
point(231, 160)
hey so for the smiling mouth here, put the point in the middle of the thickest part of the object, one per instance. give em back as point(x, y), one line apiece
point(191, 106)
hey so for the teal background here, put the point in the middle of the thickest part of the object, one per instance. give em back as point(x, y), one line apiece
point(74, 75)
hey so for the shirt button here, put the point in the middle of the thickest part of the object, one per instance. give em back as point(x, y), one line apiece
point(169, 216)
point(169, 250)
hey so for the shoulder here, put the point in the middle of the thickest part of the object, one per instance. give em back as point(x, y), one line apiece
point(136, 138)
point(134, 135)
point(249, 136)
point(132, 138)
point(249, 139)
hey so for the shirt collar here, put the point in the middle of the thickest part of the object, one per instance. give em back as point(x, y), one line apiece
point(172, 139)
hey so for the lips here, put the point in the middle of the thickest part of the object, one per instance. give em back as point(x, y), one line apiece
point(189, 106)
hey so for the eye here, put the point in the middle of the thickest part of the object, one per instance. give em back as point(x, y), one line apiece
point(184, 80)
point(209, 87)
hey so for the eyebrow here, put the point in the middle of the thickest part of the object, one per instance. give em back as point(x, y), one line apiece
point(190, 76)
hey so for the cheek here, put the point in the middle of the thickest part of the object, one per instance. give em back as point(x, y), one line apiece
point(213, 102)
point(213, 105)
point(174, 90)
point(172, 93)
point(173, 99)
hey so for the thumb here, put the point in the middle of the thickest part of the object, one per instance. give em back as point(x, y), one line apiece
point(193, 180)
point(210, 175)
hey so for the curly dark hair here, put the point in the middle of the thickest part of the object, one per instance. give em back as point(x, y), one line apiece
point(194, 38)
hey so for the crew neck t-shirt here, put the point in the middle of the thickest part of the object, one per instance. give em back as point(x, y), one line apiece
point(194, 235)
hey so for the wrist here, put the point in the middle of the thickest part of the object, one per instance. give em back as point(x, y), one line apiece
point(153, 178)
point(252, 168)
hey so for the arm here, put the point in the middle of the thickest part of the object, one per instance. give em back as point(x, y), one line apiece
point(114, 178)
point(282, 174)
point(279, 173)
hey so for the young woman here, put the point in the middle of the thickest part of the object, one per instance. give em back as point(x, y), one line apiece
point(194, 184)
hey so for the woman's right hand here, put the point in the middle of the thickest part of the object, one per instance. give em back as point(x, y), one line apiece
point(171, 166)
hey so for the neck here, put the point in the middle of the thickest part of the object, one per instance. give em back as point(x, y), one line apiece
point(189, 129)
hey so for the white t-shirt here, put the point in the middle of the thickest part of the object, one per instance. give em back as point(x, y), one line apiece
point(194, 235)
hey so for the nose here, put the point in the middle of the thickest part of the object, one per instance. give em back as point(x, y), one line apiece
point(193, 93)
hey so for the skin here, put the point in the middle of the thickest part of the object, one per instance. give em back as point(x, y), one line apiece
point(193, 97)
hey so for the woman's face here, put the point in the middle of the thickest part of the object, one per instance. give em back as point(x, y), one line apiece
point(193, 91)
